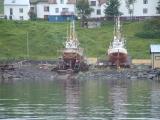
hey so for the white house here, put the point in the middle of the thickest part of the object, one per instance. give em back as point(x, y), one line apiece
point(99, 7)
point(141, 8)
point(54, 10)
point(61, 10)
point(16, 9)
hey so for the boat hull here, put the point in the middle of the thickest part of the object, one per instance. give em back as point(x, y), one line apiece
point(73, 54)
point(118, 59)
point(73, 59)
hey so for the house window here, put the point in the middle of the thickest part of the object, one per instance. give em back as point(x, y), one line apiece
point(158, 11)
point(21, 17)
point(46, 8)
point(98, 11)
point(11, 11)
point(157, 57)
point(145, 1)
point(21, 10)
point(93, 3)
point(57, 10)
point(62, 1)
point(45, 17)
point(10, 17)
point(130, 11)
point(64, 9)
point(32, 8)
point(13, 1)
point(145, 10)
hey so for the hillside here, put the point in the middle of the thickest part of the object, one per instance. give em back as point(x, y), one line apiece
point(1, 6)
point(46, 39)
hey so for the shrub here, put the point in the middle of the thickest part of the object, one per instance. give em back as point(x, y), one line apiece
point(151, 29)
point(148, 34)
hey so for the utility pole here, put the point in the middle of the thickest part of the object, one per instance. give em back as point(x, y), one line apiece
point(27, 46)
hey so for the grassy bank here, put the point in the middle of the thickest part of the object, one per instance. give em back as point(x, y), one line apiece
point(45, 39)
point(1, 6)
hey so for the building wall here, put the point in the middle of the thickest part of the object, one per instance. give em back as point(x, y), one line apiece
point(39, 8)
point(52, 9)
point(155, 60)
point(58, 18)
point(138, 8)
point(16, 13)
point(97, 7)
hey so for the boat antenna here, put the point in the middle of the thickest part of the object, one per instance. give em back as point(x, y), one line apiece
point(27, 46)
point(118, 27)
point(67, 33)
point(73, 29)
point(70, 36)
point(114, 31)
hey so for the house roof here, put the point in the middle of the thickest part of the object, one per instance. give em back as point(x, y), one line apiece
point(48, 1)
point(101, 1)
point(155, 48)
point(69, 1)
point(52, 1)
point(16, 2)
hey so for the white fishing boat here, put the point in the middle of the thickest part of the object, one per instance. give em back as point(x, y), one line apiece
point(72, 59)
point(117, 52)
point(72, 50)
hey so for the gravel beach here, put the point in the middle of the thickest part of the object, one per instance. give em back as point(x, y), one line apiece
point(42, 71)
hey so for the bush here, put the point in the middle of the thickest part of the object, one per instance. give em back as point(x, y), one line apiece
point(151, 29)
point(148, 34)
point(152, 25)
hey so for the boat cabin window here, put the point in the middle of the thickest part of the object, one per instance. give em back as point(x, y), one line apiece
point(70, 44)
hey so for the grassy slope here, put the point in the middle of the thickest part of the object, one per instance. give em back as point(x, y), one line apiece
point(45, 39)
point(138, 47)
point(1, 6)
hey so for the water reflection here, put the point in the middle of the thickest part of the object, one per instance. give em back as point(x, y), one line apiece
point(72, 93)
point(118, 98)
point(155, 100)
point(74, 99)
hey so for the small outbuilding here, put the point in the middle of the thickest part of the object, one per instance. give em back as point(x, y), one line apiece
point(155, 55)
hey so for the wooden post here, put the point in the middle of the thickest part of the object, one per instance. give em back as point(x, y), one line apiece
point(27, 46)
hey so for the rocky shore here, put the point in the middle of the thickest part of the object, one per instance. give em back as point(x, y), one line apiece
point(136, 72)
point(42, 71)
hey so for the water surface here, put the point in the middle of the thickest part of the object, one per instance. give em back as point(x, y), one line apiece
point(61, 99)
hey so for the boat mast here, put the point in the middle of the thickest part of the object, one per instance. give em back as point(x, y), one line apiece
point(118, 28)
point(73, 31)
point(67, 34)
point(72, 41)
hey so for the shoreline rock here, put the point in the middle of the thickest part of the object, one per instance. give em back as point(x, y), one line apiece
point(38, 70)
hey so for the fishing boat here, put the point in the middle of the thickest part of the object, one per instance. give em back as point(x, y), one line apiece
point(117, 52)
point(72, 55)
point(72, 52)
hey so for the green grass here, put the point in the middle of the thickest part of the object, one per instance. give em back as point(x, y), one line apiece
point(46, 39)
point(138, 47)
point(1, 6)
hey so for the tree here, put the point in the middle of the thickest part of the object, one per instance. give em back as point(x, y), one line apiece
point(158, 7)
point(112, 8)
point(84, 10)
point(130, 7)
point(32, 14)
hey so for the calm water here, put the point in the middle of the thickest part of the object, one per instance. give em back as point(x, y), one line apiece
point(80, 100)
